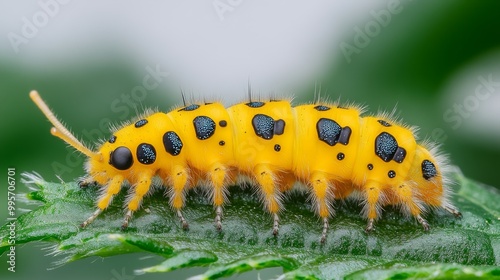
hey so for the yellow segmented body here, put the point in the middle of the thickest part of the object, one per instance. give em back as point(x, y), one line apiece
point(333, 150)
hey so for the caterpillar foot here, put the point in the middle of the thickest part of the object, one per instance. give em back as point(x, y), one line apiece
point(218, 218)
point(128, 216)
point(454, 211)
point(369, 226)
point(85, 183)
point(276, 224)
point(184, 223)
point(423, 222)
point(91, 218)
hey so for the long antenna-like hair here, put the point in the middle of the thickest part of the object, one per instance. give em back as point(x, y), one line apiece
point(59, 130)
point(249, 91)
point(183, 97)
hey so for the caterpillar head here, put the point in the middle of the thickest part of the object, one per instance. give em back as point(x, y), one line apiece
point(125, 154)
point(97, 164)
point(135, 149)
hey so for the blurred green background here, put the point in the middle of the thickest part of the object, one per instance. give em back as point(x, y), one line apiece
point(427, 58)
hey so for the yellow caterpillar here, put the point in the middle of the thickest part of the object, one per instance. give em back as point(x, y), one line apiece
point(331, 149)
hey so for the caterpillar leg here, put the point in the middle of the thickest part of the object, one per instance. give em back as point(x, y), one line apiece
point(372, 192)
point(218, 177)
point(86, 182)
point(404, 194)
point(271, 196)
point(179, 177)
point(111, 189)
point(453, 210)
point(321, 197)
point(138, 192)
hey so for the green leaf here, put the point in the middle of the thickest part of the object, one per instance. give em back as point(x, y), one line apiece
point(182, 259)
point(398, 249)
point(437, 271)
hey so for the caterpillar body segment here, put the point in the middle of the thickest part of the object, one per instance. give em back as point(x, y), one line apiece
point(264, 137)
point(333, 150)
